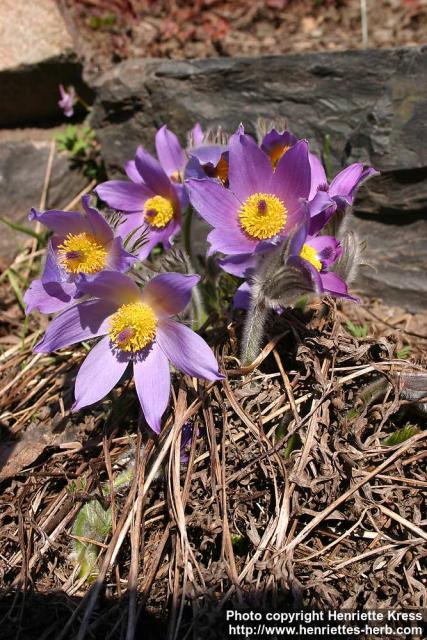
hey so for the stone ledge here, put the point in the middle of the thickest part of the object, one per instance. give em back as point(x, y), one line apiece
point(371, 103)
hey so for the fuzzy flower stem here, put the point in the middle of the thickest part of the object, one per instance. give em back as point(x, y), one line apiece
point(254, 330)
point(186, 231)
point(197, 302)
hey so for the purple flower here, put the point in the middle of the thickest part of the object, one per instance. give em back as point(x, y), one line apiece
point(313, 256)
point(68, 99)
point(135, 328)
point(82, 243)
point(342, 190)
point(260, 203)
point(151, 201)
point(276, 144)
point(316, 255)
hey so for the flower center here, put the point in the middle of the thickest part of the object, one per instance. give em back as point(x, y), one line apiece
point(82, 253)
point(310, 254)
point(133, 326)
point(262, 216)
point(158, 211)
point(277, 152)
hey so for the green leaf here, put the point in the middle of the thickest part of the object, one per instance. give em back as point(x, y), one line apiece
point(94, 22)
point(357, 330)
point(400, 435)
point(404, 352)
point(294, 443)
point(22, 228)
point(14, 283)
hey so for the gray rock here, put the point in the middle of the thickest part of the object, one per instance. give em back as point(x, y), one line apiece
point(396, 260)
point(371, 104)
point(36, 55)
point(22, 174)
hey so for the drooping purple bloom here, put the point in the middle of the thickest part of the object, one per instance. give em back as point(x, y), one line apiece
point(316, 255)
point(260, 204)
point(67, 101)
point(136, 328)
point(313, 256)
point(82, 243)
point(341, 190)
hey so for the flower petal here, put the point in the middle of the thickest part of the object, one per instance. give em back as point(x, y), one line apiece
point(328, 249)
point(335, 286)
point(216, 204)
point(99, 227)
point(318, 175)
point(230, 241)
point(49, 297)
point(124, 196)
point(321, 209)
point(152, 382)
point(132, 172)
point(187, 351)
point(250, 169)
point(347, 181)
point(274, 141)
point(117, 288)
point(196, 135)
point(84, 321)
point(52, 272)
point(238, 265)
point(242, 297)
point(169, 293)
point(118, 258)
point(169, 151)
point(152, 173)
point(61, 222)
point(291, 180)
point(209, 153)
point(99, 373)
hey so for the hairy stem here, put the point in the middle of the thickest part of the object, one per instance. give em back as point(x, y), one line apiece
point(186, 231)
point(254, 330)
point(199, 312)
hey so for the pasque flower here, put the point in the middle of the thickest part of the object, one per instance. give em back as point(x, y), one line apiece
point(136, 328)
point(275, 144)
point(152, 202)
point(261, 203)
point(313, 256)
point(67, 101)
point(82, 243)
point(341, 190)
point(202, 158)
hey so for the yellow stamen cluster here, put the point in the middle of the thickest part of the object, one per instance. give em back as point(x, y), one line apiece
point(277, 152)
point(262, 216)
point(310, 254)
point(158, 211)
point(133, 326)
point(82, 253)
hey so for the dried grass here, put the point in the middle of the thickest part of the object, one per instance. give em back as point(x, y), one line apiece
point(289, 495)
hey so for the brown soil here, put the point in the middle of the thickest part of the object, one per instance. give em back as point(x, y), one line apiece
point(108, 31)
point(291, 495)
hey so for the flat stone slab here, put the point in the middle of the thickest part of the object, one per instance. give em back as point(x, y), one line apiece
point(31, 33)
point(23, 166)
point(371, 104)
point(36, 55)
